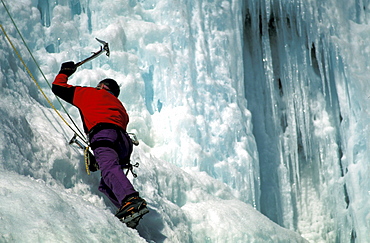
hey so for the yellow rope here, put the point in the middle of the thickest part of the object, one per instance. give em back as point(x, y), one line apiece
point(35, 81)
point(37, 65)
point(87, 159)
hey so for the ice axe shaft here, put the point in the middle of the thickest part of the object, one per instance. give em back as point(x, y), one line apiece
point(96, 54)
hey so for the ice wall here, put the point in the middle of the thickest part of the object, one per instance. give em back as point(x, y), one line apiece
point(304, 82)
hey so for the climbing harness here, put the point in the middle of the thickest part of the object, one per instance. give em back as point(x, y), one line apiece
point(92, 165)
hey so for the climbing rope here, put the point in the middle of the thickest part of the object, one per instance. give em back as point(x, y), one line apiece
point(35, 81)
point(87, 159)
point(79, 133)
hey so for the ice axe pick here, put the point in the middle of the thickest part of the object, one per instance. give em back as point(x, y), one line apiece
point(96, 54)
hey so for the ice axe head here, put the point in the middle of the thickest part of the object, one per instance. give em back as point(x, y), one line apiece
point(105, 46)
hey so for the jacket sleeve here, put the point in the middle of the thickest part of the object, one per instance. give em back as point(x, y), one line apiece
point(62, 89)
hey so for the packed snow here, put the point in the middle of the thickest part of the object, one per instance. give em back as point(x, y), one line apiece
point(251, 117)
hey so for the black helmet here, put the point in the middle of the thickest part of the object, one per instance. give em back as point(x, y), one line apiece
point(112, 85)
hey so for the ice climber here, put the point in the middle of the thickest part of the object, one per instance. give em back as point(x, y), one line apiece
point(105, 120)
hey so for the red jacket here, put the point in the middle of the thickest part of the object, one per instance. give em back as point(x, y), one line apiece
point(96, 106)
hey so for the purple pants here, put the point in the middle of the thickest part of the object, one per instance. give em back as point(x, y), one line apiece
point(114, 147)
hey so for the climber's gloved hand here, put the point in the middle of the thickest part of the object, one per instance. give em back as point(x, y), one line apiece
point(68, 68)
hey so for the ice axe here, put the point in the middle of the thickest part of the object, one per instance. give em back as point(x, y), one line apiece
point(90, 161)
point(96, 54)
